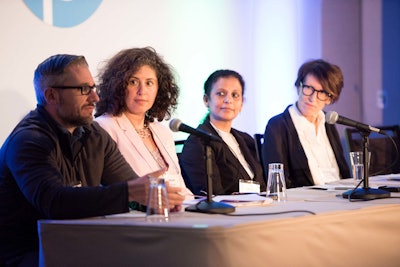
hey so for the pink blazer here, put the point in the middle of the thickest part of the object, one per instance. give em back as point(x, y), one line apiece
point(138, 156)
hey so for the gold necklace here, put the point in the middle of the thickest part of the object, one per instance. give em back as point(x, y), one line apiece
point(144, 132)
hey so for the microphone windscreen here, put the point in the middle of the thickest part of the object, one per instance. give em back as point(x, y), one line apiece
point(175, 124)
point(331, 117)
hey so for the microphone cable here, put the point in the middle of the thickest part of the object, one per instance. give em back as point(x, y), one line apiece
point(394, 162)
point(271, 213)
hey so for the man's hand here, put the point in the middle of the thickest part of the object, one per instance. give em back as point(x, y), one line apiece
point(138, 190)
point(175, 198)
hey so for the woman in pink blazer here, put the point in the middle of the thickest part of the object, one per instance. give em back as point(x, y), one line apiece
point(137, 91)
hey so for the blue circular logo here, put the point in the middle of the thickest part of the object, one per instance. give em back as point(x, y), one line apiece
point(63, 13)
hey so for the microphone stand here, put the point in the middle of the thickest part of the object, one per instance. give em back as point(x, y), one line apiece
point(366, 193)
point(209, 205)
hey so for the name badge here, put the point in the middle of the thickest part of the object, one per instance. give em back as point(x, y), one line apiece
point(249, 186)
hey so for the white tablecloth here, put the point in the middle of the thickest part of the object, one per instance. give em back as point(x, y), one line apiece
point(342, 233)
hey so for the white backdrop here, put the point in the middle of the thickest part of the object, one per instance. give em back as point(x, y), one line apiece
point(264, 40)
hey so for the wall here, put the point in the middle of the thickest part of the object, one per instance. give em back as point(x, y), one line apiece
point(341, 42)
point(265, 40)
point(372, 101)
point(391, 61)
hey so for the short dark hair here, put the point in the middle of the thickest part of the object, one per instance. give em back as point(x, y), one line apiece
point(329, 75)
point(213, 78)
point(51, 71)
point(114, 78)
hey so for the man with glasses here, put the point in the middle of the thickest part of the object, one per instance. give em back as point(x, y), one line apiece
point(59, 164)
point(309, 148)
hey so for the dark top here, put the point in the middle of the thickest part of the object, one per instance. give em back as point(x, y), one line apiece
point(40, 163)
point(282, 145)
point(227, 170)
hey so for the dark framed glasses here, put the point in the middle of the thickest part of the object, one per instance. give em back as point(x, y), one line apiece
point(308, 90)
point(85, 89)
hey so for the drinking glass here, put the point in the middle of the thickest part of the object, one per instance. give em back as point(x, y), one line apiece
point(157, 207)
point(276, 185)
point(357, 164)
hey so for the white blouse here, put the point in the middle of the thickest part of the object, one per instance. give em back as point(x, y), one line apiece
point(318, 150)
point(233, 145)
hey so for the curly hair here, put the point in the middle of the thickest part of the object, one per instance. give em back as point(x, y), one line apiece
point(114, 77)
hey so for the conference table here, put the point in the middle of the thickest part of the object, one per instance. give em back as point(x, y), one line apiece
point(316, 226)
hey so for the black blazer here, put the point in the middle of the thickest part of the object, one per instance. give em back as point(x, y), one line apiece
point(226, 168)
point(282, 144)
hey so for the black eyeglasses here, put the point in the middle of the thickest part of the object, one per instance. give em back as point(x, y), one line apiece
point(308, 90)
point(85, 89)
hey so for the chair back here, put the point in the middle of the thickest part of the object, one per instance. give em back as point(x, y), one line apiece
point(385, 158)
point(179, 146)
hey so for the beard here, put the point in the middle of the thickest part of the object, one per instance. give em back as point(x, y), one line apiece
point(73, 118)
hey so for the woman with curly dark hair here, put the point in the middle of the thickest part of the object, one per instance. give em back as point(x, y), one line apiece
point(137, 90)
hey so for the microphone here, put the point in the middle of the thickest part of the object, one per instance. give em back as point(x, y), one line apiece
point(333, 117)
point(207, 205)
point(176, 125)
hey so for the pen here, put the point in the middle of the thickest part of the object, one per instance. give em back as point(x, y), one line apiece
point(343, 188)
point(245, 193)
point(235, 201)
point(318, 188)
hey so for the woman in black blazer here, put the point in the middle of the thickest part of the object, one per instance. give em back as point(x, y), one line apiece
point(300, 138)
point(234, 158)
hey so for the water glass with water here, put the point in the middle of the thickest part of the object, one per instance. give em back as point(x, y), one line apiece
point(157, 207)
point(276, 185)
point(357, 164)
